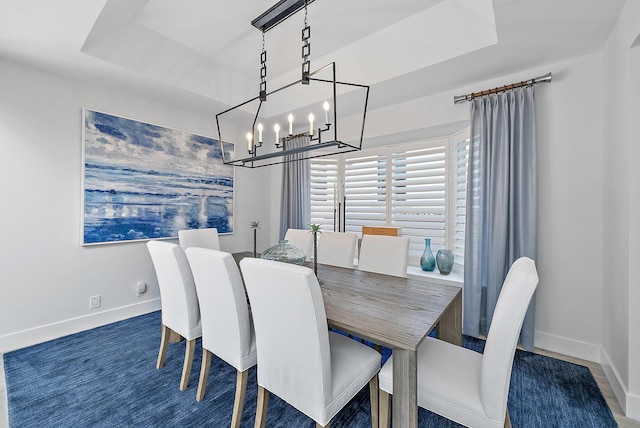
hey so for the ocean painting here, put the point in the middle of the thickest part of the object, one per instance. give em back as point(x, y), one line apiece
point(144, 181)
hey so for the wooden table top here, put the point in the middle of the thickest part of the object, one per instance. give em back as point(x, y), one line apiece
point(394, 312)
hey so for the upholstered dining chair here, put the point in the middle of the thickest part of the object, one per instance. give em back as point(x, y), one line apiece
point(316, 371)
point(463, 385)
point(203, 238)
point(179, 302)
point(227, 329)
point(337, 248)
point(384, 254)
point(302, 239)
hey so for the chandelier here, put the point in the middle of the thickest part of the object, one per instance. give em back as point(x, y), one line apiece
point(298, 120)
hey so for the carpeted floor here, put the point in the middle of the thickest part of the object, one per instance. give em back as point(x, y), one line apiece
point(106, 377)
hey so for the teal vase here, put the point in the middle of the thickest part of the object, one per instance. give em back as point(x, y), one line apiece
point(427, 261)
point(444, 258)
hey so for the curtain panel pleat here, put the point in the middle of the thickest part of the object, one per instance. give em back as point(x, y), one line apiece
point(295, 204)
point(501, 205)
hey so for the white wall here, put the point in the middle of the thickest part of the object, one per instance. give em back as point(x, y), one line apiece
point(621, 299)
point(47, 276)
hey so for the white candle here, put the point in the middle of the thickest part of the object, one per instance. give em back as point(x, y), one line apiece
point(249, 138)
point(326, 111)
point(311, 118)
point(276, 128)
point(260, 133)
point(290, 124)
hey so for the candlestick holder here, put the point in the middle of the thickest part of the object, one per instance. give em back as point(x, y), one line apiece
point(254, 151)
point(282, 143)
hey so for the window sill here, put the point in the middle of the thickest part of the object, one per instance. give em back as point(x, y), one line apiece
point(454, 278)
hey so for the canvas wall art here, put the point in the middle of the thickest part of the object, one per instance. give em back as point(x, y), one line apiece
point(143, 181)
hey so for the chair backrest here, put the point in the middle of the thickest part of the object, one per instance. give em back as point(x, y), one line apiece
point(291, 332)
point(178, 297)
point(226, 326)
point(202, 238)
point(302, 239)
point(337, 248)
point(384, 254)
point(508, 316)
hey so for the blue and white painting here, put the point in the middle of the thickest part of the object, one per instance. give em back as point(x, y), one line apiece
point(144, 181)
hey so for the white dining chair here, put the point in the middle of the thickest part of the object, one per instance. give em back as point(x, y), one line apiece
point(302, 239)
point(179, 302)
point(314, 370)
point(337, 248)
point(463, 385)
point(384, 254)
point(227, 329)
point(202, 238)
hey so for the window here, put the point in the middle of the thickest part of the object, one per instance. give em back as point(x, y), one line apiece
point(419, 187)
point(324, 181)
point(365, 191)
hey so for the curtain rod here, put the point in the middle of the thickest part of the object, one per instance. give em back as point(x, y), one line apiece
point(541, 79)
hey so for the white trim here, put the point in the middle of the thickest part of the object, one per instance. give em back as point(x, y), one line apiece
point(612, 375)
point(32, 336)
point(633, 407)
point(630, 403)
point(566, 346)
point(454, 278)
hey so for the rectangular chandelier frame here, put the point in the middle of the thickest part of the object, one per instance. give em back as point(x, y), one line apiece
point(316, 148)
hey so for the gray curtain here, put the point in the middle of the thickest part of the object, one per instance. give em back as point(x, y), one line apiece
point(295, 205)
point(502, 220)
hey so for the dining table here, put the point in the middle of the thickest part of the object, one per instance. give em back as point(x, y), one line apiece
point(394, 312)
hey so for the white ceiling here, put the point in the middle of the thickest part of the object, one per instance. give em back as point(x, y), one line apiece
point(207, 52)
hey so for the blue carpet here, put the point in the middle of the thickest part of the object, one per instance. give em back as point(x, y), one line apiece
point(106, 377)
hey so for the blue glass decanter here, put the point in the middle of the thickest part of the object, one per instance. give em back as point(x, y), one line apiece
point(427, 261)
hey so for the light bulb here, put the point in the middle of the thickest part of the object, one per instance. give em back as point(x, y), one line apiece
point(326, 111)
point(311, 118)
point(260, 132)
point(276, 128)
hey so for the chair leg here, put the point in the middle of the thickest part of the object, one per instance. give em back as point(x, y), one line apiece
point(507, 420)
point(385, 409)
point(373, 397)
point(188, 360)
point(238, 404)
point(164, 342)
point(261, 410)
point(204, 374)
point(174, 337)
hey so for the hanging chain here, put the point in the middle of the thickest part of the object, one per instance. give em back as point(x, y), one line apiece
point(263, 71)
point(306, 48)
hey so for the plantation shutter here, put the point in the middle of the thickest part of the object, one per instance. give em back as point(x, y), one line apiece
point(365, 191)
point(418, 190)
point(460, 197)
point(324, 182)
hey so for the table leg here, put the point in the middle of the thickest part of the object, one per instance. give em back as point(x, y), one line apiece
point(405, 389)
point(450, 326)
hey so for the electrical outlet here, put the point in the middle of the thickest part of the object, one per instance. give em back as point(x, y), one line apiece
point(141, 288)
point(94, 302)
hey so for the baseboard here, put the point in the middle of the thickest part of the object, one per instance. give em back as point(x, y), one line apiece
point(32, 336)
point(612, 375)
point(566, 346)
point(633, 407)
